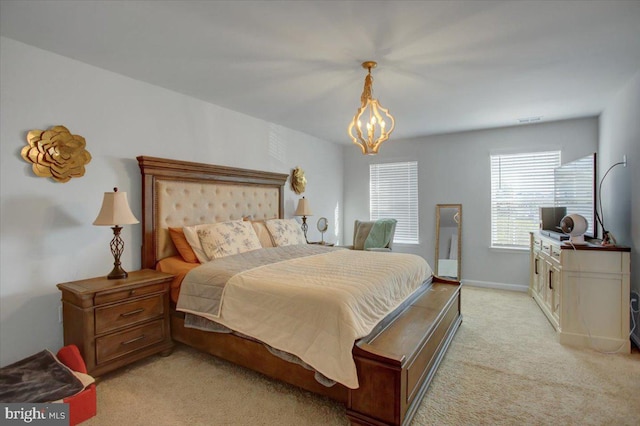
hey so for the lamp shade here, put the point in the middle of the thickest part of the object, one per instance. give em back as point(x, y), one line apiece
point(115, 210)
point(303, 208)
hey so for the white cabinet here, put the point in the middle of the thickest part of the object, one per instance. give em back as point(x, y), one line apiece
point(583, 291)
point(545, 286)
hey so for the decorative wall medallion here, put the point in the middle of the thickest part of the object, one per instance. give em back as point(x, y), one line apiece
point(298, 181)
point(56, 153)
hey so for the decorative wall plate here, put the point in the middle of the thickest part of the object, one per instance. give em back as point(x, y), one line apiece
point(56, 153)
point(298, 181)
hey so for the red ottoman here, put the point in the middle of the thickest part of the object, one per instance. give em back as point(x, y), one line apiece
point(83, 405)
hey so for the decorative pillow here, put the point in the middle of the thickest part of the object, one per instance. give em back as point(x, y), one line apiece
point(285, 232)
point(182, 245)
point(263, 233)
point(191, 234)
point(227, 238)
point(362, 232)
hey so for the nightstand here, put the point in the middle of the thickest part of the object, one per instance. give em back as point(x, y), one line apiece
point(321, 243)
point(117, 322)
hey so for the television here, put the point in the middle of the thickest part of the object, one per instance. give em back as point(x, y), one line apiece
point(575, 189)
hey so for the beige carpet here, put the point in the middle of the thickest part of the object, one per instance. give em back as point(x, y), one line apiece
point(504, 367)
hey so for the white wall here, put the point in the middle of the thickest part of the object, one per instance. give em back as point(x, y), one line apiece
point(620, 135)
point(46, 236)
point(453, 169)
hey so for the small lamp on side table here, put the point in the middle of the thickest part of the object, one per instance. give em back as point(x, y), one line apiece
point(115, 211)
point(303, 210)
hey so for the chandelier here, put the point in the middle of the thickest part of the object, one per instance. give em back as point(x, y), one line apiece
point(377, 129)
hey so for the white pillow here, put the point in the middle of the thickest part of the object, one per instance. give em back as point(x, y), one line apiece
point(285, 232)
point(191, 234)
point(226, 238)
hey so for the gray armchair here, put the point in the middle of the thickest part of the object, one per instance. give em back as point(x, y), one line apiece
point(380, 240)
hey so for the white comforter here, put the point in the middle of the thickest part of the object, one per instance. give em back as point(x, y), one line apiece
point(314, 307)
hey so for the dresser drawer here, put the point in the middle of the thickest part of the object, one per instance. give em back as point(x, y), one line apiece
point(115, 296)
point(555, 252)
point(537, 244)
point(117, 316)
point(119, 344)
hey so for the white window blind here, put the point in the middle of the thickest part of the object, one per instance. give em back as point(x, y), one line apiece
point(393, 193)
point(520, 185)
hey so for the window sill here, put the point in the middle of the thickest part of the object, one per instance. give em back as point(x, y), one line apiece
point(512, 250)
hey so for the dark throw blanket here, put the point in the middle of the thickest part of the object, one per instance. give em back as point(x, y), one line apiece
point(38, 378)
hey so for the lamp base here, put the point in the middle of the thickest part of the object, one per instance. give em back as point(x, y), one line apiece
point(117, 273)
point(305, 227)
point(117, 247)
point(608, 239)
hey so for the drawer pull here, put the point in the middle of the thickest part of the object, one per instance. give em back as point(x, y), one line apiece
point(128, 314)
point(128, 342)
point(132, 292)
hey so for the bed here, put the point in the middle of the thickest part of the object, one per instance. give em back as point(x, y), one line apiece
point(395, 362)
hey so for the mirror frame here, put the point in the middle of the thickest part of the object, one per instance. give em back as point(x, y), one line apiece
point(326, 224)
point(439, 207)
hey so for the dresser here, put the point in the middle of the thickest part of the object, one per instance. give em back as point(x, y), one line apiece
point(117, 322)
point(584, 291)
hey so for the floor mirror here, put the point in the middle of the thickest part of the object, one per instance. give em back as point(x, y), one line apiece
point(448, 241)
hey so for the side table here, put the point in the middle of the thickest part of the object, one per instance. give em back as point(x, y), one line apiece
point(321, 243)
point(117, 322)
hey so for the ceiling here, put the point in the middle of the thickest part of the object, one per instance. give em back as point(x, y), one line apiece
point(443, 66)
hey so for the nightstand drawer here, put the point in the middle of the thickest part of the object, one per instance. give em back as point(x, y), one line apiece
point(114, 296)
point(119, 344)
point(125, 314)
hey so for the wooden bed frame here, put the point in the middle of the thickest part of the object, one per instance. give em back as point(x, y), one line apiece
point(395, 363)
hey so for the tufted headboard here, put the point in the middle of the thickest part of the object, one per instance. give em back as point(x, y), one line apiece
point(180, 193)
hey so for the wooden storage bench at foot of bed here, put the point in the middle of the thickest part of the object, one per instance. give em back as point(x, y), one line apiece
point(395, 365)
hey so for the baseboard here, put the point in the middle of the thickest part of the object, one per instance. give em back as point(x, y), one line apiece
point(498, 286)
point(607, 345)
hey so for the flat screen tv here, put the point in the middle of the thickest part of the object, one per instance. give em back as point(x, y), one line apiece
point(575, 189)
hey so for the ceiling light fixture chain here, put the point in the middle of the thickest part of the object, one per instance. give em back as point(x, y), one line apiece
point(377, 130)
point(367, 92)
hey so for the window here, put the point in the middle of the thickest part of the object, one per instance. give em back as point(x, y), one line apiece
point(393, 193)
point(520, 185)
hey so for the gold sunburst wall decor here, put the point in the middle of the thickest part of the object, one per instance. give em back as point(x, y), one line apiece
point(56, 153)
point(298, 181)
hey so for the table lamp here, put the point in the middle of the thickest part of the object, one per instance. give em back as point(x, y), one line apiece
point(303, 210)
point(115, 211)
